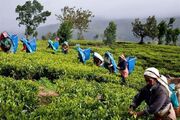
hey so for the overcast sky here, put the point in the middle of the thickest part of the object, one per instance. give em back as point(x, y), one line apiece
point(111, 9)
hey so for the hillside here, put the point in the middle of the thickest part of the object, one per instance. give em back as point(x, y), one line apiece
point(53, 85)
point(97, 26)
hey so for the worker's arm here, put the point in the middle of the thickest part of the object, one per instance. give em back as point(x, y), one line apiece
point(122, 65)
point(158, 100)
point(139, 98)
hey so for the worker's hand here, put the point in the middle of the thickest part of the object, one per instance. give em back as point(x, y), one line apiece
point(110, 65)
point(118, 68)
point(141, 113)
point(132, 113)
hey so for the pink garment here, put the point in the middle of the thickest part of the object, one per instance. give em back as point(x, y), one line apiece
point(124, 73)
point(57, 38)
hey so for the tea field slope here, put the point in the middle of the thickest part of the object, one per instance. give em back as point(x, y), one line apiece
point(81, 91)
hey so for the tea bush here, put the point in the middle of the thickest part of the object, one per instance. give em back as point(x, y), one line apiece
point(85, 91)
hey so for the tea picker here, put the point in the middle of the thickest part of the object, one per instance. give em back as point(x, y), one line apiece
point(8, 43)
point(65, 47)
point(98, 59)
point(109, 62)
point(126, 66)
point(156, 94)
point(53, 45)
point(83, 54)
point(29, 45)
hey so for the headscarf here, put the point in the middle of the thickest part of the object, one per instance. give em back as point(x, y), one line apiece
point(122, 57)
point(154, 73)
point(65, 43)
point(98, 56)
point(5, 34)
point(57, 38)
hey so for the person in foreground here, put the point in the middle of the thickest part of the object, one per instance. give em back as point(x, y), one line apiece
point(156, 95)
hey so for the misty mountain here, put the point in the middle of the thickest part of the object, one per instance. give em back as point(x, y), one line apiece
point(97, 27)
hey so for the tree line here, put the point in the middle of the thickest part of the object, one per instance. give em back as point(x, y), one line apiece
point(31, 15)
point(163, 31)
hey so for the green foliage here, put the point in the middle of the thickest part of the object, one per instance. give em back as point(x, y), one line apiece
point(167, 30)
point(171, 21)
point(152, 30)
point(86, 42)
point(110, 33)
point(79, 100)
point(50, 36)
point(162, 28)
point(147, 29)
point(43, 37)
point(175, 34)
point(18, 99)
point(31, 15)
point(172, 34)
point(78, 17)
point(65, 31)
point(85, 90)
point(68, 14)
point(96, 36)
point(151, 26)
point(139, 30)
point(83, 18)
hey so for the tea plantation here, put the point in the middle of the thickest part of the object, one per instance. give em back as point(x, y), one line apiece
point(52, 85)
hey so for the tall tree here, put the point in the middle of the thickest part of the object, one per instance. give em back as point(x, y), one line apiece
point(172, 34)
point(96, 36)
point(175, 34)
point(65, 31)
point(151, 27)
point(31, 15)
point(110, 33)
point(139, 30)
point(83, 18)
point(78, 17)
point(68, 14)
point(168, 36)
point(162, 28)
point(171, 22)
